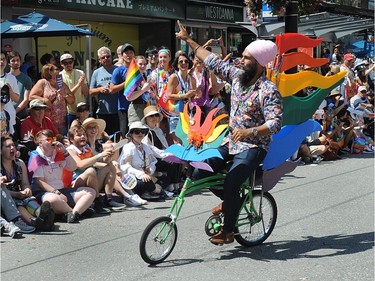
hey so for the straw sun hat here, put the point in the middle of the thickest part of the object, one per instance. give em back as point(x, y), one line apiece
point(99, 122)
point(151, 110)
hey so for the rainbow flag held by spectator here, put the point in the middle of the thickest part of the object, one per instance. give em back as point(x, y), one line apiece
point(133, 79)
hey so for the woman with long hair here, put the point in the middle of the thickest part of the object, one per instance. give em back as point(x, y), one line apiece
point(55, 94)
point(181, 89)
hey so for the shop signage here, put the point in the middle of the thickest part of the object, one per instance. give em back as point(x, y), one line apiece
point(208, 11)
point(173, 9)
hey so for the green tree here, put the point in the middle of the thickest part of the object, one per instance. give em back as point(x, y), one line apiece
point(278, 6)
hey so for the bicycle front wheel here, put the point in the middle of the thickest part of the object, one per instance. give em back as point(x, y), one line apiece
point(256, 219)
point(158, 240)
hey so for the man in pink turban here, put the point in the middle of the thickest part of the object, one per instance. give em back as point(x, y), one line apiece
point(256, 114)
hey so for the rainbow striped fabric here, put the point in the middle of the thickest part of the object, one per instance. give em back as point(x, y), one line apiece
point(133, 79)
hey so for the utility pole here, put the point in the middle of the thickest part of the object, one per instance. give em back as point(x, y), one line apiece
point(291, 25)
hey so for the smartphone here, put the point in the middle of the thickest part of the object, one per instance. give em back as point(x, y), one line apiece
point(216, 42)
point(59, 81)
point(319, 114)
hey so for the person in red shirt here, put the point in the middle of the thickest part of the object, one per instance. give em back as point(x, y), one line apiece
point(36, 121)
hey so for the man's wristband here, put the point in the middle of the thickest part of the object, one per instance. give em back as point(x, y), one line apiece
point(66, 154)
point(100, 156)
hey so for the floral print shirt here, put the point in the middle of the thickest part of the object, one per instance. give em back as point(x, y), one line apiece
point(259, 104)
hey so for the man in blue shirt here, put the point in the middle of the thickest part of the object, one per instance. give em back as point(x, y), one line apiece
point(99, 87)
point(117, 85)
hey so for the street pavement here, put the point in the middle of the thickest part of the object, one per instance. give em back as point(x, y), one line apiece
point(324, 231)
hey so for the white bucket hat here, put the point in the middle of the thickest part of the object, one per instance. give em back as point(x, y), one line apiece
point(136, 125)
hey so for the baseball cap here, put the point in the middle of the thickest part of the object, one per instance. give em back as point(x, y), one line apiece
point(362, 88)
point(348, 57)
point(36, 104)
point(65, 57)
point(82, 104)
point(126, 47)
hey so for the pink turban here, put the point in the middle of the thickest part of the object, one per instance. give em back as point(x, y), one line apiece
point(263, 51)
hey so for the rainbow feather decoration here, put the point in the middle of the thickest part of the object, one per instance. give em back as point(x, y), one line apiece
point(200, 140)
point(133, 78)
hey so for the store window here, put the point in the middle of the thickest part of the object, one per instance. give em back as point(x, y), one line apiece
point(202, 34)
point(235, 44)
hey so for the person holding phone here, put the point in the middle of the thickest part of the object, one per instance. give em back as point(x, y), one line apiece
point(47, 90)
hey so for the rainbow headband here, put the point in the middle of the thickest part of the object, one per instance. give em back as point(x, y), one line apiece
point(164, 51)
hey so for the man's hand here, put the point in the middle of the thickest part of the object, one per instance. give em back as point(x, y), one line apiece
point(239, 134)
point(182, 34)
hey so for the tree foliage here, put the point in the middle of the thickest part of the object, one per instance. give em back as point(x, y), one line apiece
point(278, 6)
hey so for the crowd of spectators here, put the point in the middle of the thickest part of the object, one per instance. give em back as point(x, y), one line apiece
point(73, 148)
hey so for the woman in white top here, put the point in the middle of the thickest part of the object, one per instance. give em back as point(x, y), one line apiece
point(158, 143)
point(137, 159)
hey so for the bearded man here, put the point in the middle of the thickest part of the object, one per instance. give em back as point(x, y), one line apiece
point(256, 114)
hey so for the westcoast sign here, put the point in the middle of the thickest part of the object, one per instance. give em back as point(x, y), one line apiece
point(212, 12)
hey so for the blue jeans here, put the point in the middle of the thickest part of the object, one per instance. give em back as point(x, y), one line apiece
point(244, 164)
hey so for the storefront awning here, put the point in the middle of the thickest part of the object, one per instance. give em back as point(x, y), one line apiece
point(326, 25)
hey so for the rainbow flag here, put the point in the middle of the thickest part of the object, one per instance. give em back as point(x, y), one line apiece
point(362, 106)
point(133, 79)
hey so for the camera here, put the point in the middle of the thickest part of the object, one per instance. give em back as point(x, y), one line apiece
point(216, 42)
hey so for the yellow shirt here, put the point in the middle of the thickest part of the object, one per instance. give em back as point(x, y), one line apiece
point(71, 79)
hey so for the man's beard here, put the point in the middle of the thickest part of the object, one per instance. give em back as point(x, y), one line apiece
point(248, 74)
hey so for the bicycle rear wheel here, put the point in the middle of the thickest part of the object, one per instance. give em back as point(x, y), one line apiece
point(255, 223)
point(158, 240)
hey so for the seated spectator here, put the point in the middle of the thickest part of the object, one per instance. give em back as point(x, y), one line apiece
point(360, 98)
point(10, 229)
point(10, 212)
point(47, 165)
point(95, 130)
point(36, 121)
point(4, 114)
point(100, 136)
point(83, 112)
point(15, 171)
point(14, 96)
point(313, 147)
point(91, 171)
point(345, 134)
point(137, 159)
point(158, 143)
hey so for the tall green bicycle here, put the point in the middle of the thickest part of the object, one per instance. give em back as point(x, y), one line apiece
point(255, 222)
point(258, 213)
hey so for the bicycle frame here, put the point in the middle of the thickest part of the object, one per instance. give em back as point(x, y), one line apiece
point(216, 180)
